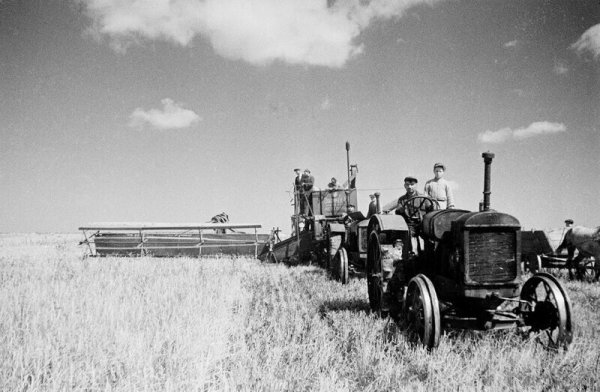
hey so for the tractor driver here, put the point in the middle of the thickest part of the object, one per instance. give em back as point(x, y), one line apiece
point(405, 207)
point(352, 215)
point(411, 206)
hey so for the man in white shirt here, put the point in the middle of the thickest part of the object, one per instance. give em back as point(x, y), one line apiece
point(437, 188)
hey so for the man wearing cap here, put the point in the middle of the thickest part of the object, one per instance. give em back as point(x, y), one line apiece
point(333, 185)
point(409, 209)
point(306, 182)
point(297, 190)
point(372, 207)
point(568, 225)
point(410, 184)
point(297, 180)
point(437, 188)
point(352, 215)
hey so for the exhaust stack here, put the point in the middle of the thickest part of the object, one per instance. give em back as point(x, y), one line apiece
point(377, 194)
point(487, 159)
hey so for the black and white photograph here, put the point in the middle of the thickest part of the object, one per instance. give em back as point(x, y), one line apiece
point(299, 195)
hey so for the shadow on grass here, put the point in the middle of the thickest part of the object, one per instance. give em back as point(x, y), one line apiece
point(342, 306)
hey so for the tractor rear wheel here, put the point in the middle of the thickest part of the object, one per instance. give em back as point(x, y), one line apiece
point(375, 275)
point(340, 263)
point(548, 311)
point(422, 312)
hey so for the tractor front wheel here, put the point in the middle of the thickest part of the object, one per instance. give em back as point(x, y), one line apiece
point(422, 312)
point(547, 310)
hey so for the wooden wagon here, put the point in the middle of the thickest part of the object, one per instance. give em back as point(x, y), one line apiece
point(539, 251)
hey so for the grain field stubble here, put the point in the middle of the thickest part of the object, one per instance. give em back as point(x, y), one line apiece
point(180, 324)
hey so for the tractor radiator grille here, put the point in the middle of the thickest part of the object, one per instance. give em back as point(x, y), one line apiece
point(491, 257)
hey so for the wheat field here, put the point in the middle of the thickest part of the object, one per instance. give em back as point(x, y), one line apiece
point(69, 323)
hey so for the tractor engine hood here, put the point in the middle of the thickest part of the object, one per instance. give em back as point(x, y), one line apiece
point(487, 219)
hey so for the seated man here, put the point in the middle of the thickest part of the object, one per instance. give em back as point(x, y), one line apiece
point(409, 208)
point(412, 206)
point(353, 215)
point(333, 185)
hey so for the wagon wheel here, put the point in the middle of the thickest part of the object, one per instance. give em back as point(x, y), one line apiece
point(340, 263)
point(548, 311)
point(422, 312)
point(585, 269)
point(374, 274)
point(413, 207)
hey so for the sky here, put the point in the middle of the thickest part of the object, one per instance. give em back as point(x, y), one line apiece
point(175, 111)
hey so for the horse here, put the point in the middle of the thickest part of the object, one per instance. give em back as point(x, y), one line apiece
point(587, 241)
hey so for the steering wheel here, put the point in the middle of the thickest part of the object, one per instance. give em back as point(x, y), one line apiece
point(414, 207)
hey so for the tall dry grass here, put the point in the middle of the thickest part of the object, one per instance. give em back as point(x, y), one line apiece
point(179, 324)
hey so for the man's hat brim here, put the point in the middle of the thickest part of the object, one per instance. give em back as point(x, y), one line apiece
point(410, 179)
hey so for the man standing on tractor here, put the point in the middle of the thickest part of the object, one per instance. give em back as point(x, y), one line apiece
point(306, 181)
point(372, 207)
point(437, 188)
point(297, 190)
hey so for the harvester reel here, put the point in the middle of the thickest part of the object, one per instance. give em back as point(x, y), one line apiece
point(548, 311)
point(415, 206)
point(422, 312)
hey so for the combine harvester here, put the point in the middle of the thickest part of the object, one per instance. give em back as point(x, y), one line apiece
point(316, 236)
point(216, 237)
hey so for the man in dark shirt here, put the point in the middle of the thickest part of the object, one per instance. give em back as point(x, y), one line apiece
point(333, 185)
point(297, 190)
point(372, 207)
point(404, 207)
point(353, 215)
point(307, 181)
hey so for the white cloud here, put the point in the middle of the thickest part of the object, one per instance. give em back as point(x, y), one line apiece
point(534, 129)
point(498, 136)
point(261, 31)
point(589, 42)
point(172, 116)
point(511, 44)
point(326, 104)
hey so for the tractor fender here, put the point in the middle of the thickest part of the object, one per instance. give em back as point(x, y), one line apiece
point(387, 222)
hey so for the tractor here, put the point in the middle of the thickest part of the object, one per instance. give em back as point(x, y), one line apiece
point(434, 269)
point(347, 246)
